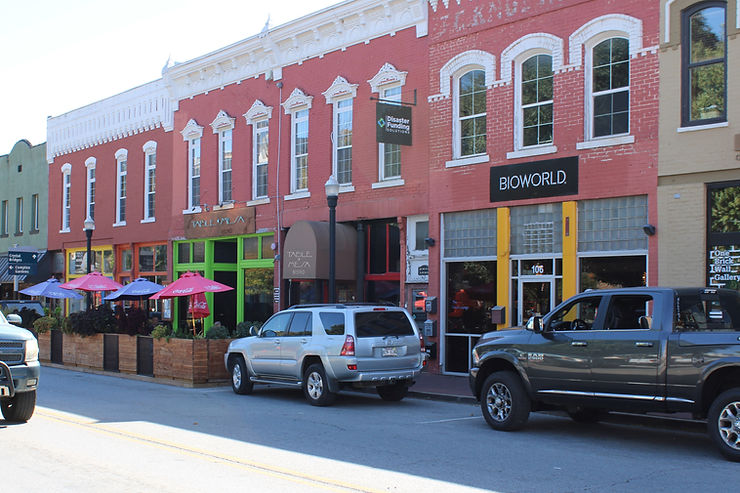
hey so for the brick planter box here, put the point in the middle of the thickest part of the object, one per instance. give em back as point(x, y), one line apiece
point(126, 353)
point(45, 346)
point(83, 351)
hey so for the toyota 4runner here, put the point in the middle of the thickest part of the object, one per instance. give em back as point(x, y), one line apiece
point(324, 348)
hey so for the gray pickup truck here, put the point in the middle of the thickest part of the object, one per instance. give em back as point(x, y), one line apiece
point(19, 371)
point(648, 349)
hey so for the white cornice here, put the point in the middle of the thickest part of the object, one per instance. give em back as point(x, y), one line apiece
point(339, 88)
point(258, 111)
point(388, 74)
point(297, 100)
point(222, 122)
point(334, 28)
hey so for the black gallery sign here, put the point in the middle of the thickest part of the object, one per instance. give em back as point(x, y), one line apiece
point(393, 124)
point(548, 178)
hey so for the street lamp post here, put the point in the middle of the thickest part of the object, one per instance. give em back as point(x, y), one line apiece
point(332, 195)
point(89, 228)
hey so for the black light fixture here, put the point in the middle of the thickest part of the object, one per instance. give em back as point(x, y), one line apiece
point(89, 228)
point(648, 229)
point(332, 196)
point(429, 241)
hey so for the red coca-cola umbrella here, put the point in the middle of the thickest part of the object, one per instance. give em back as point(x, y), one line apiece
point(198, 306)
point(94, 281)
point(189, 284)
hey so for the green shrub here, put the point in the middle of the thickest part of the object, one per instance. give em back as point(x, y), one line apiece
point(217, 331)
point(99, 320)
point(161, 330)
point(242, 328)
point(45, 324)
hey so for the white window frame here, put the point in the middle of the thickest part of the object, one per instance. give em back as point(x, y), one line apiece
point(223, 126)
point(150, 180)
point(121, 186)
point(19, 215)
point(520, 150)
point(341, 91)
point(91, 188)
point(35, 212)
point(192, 134)
point(66, 197)
point(386, 80)
point(590, 95)
point(295, 105)
point(258, 117)
point(4, 219)
point(457, 119)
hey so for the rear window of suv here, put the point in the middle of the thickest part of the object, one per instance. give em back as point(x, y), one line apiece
point(382, 323)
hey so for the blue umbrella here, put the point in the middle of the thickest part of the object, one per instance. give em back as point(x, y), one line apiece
point(135, 290)
point(50, 289)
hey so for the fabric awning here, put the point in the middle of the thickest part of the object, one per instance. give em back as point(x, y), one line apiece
point(306, 251)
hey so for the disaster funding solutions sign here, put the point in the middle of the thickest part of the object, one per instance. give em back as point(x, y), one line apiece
point(393, 124)
point(549, 178)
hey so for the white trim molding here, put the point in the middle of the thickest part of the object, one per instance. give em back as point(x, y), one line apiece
point(535, 43)
point(150, 147)
point(89, 162)
point(388, 74)
point(340, 88)
point(121, 154)
point(297, 100)
point(617, 24)
point(191, 131)
point(222, 122)
point(466, 60)
point(257, 111)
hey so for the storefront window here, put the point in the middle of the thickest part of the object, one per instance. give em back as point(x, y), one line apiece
point(612, 272)
point(258, 290)
point(199, 252)
point(183, 253)
point(146, 259)
point(252, 248)
point(471, 293)
point(160, 258)
point(723, 258)
point(126, 260)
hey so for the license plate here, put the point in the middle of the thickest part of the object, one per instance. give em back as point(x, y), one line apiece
point(390, 351)
point(4, 391)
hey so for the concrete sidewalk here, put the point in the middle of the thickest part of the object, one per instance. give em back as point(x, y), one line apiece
point(445, 387)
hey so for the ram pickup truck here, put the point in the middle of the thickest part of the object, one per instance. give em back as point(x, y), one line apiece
point(644, 349)
point(19, 370)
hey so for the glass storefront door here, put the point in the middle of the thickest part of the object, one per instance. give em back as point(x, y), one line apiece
point(536, 298)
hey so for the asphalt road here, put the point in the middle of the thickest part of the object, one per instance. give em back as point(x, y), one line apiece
point(100, 433)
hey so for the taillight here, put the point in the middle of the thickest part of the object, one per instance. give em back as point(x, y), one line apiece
point(423, 351)
point(421, 341)
point(348, 348)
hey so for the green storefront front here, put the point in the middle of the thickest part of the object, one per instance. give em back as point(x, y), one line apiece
point(223, 246)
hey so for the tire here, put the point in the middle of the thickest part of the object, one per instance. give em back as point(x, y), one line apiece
point(723, 423)
point(240, 382)
point(316, 386)
point(393, 393)
point(504, 402)
point(585, 414)
point(20, 408)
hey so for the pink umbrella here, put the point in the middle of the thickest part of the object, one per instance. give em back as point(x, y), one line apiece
point(188, 284)
point(94, 281)
point(198, 306)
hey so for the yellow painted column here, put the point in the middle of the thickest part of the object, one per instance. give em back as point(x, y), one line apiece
point(503, 251)
point(570, 249)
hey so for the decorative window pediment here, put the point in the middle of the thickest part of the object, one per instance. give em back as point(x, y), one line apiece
point(472, 58)
point(339, 88)
point(89, 163)
point(258, 111)
point(297, 100)
point(222, 122)
point(149, 147)
point(608, 26)
point(121, 154)
point(67, 168)
point(535, 43)
point(388, 74)
point(192, 131)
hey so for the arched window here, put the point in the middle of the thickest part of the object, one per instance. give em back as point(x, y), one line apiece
point(536, 101)
point(610, 88)
point(470, 117)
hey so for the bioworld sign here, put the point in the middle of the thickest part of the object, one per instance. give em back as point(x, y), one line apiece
point(549, 178)
point(393, 124)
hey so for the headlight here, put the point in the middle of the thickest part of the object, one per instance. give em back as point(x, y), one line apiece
point(32, 350)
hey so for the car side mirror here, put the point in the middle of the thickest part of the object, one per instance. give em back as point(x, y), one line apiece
point(536, 324)
point(14, 319)
point(253, 331)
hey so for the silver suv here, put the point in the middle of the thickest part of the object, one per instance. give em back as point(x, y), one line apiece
point(324, 348)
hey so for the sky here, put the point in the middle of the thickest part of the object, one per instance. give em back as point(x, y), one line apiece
point(59, 55)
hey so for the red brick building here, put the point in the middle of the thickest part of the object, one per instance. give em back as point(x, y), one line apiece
point(543, 153)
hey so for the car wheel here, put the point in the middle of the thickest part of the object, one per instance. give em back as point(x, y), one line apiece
point(394, 392)
point(20, 408)
point(585, 414)
point(723, 423)
point(240, 382)
point(316, 386)
point(504, 402)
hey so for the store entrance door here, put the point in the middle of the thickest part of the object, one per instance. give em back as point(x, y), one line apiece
point(536, 297)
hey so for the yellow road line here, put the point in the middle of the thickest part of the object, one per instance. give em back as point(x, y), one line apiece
point(264, 469)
